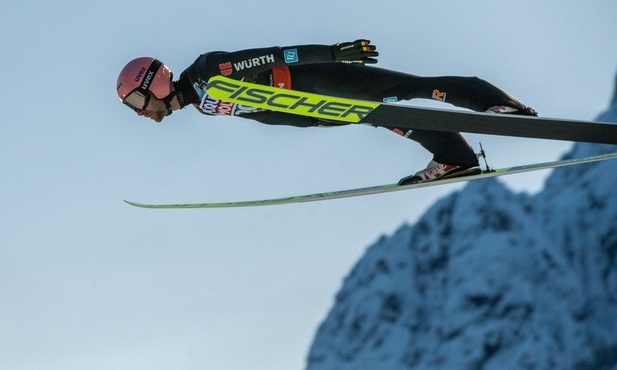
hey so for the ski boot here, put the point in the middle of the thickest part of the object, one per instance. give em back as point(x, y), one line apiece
point(504, 109)
point(436, 171)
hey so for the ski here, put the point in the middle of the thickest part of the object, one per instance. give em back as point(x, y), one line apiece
point(405, 116)
point(381, 188)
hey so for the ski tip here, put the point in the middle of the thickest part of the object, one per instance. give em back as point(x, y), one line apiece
point(160, 206)
point(135, 204)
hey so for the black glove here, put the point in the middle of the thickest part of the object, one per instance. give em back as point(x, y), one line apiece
point(359, 51)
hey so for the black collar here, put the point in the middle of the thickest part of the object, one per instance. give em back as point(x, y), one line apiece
point(185, 92)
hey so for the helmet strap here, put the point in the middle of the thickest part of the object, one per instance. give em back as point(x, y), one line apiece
point(167, 101)
point(185, 92)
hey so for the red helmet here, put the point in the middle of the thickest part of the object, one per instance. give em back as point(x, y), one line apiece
point(140, 76)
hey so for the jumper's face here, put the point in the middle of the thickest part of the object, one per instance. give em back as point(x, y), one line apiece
point(155, 110)
point(146, 104)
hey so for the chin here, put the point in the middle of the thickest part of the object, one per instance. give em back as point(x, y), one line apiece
point(157, 118)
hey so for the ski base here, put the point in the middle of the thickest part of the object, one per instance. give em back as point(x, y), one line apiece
point(381, 188)
point(415, 118)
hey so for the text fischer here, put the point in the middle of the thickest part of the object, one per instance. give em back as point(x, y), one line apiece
point(288, 100)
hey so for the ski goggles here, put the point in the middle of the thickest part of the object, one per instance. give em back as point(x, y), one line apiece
point(137, 100)
point(139, 97)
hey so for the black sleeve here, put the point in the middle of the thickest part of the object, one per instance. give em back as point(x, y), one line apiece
point(279, 118)
point(239, 64)
point(286, 119)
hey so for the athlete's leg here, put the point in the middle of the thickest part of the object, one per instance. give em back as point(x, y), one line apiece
point(376, 84)
point(371, 83)
point(446, 147)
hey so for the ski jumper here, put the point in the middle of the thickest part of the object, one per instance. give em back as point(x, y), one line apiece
point(311, 68)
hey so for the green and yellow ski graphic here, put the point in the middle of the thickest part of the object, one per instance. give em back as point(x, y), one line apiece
point(289, 101)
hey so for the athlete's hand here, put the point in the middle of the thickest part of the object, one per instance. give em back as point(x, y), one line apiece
point(359, 51)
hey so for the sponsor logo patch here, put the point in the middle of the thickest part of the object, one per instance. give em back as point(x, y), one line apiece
point(225, 68)
point(390, 99)
point(140, 73)
point(438, 95)
point(148, 80)
point(291, 56)
point(402, 133)
point(215, 107)
point(254, 62)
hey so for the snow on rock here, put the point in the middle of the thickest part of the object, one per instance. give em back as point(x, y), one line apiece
point(489, 279)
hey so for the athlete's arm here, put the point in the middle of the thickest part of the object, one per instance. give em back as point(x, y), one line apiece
point(242, 63)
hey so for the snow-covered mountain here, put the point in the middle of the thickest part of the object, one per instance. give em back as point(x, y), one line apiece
point(489, 279)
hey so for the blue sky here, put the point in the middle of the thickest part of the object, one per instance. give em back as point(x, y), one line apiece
point(89, 282)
